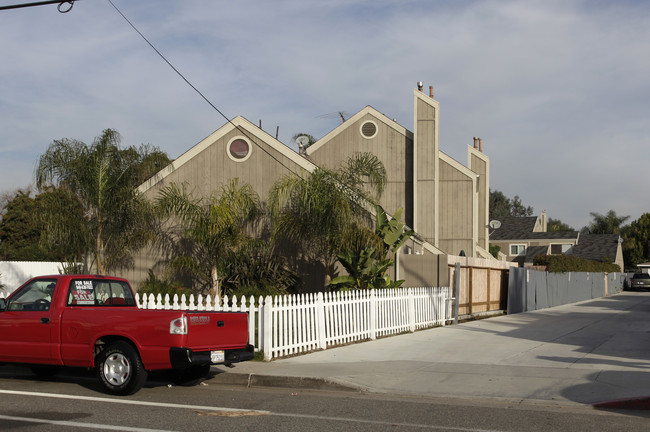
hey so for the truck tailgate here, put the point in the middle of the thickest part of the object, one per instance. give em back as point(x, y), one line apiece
point(226, 330)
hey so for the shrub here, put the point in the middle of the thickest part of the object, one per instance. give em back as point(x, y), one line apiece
point(568, 263)
point(155, 286)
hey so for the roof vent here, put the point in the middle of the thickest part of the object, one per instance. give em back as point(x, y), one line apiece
point(369, 129)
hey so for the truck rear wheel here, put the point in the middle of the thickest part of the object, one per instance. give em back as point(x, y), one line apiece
point(120, 369)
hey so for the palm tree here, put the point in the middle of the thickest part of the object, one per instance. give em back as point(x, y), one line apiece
point(114, 219)
point(324, 211)
point(205, 230)
point(609, 223)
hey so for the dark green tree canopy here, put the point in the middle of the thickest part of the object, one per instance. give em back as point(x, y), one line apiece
point(501, 206)
point(556, 225)
point(636, 241)
point(23, 225)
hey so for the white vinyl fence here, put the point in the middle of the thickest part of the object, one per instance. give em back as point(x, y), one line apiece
point(285, 325)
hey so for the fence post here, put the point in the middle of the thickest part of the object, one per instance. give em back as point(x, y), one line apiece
point(251, 319)
point(267, 339)
point(373, 315)
point(457, 293)
point(411, 308)
point(320, 319)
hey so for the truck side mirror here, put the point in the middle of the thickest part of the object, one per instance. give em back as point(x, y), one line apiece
point(3, 304)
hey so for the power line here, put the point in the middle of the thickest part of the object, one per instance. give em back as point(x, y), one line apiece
point(198, 91)
point(42, 3)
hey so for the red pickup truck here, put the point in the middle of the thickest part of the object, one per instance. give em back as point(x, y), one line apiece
point(94, 321)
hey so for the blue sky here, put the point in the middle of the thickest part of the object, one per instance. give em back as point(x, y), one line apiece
point(558, 90)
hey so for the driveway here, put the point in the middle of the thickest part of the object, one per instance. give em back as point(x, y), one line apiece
point(588, 352)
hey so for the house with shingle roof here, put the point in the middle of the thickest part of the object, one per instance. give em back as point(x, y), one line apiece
point(521, 239)
point(444, 201)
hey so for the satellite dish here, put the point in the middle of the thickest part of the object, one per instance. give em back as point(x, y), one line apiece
point(495, 224)
point(302, 140)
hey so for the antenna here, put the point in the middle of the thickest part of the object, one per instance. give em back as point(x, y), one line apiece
point(495, 225)
point(302, 140)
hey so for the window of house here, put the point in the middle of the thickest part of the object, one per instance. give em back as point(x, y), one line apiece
point(517, 249)
point(559, 249)
point(369, 129)
point(239, 149)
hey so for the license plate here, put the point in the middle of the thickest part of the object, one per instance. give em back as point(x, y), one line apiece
point(217, 356)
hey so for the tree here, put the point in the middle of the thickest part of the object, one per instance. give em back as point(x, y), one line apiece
point(20, 229)
point(116, 220)
point(556, 225)
point(24, 224)
point(206, 233)
point(321, 212)
point(636, 241)
point(502, 206)
point(609, 223)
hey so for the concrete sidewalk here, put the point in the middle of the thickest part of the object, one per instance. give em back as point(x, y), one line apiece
point(589, 352)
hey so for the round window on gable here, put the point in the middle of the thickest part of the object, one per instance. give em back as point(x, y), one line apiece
point(239, 149)
point(369, 129)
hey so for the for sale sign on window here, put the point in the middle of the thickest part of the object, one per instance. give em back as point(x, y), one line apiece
point(83, 292)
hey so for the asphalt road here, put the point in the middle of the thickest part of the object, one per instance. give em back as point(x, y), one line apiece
point(73, 401)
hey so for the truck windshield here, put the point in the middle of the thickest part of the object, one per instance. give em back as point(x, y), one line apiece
point(98, 292)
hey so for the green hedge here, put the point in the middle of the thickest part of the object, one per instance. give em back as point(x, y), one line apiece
point(568, 263)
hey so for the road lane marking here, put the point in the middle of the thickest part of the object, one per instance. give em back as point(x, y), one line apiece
point(132, 402)
point(235, 412)
point(80, 424)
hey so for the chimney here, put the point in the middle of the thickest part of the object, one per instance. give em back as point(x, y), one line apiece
point(431, 92)
point(480, 145)
point(475, 141)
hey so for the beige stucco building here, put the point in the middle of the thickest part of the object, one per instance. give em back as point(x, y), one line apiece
point(444, 201)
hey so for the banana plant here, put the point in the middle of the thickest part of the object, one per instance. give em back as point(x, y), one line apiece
point(367, 267)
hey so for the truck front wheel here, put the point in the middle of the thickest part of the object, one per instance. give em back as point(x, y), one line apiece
point(120, 369)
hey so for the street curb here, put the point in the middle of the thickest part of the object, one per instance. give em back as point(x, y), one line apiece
point(638, 403)
point(255, 380)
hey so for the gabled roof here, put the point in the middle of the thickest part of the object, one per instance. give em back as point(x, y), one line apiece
point(257, 136)
point(521, 228)
point(345, 125)
point(514, 228)
point(596, 247)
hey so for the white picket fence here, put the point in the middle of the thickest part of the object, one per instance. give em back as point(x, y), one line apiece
point(286, 325)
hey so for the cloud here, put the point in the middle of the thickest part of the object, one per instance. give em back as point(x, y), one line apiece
point(558, 90)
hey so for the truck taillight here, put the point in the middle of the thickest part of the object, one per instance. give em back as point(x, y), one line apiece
point(178, 326)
